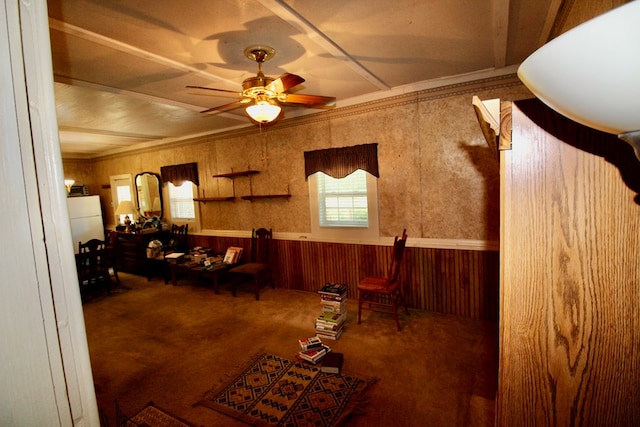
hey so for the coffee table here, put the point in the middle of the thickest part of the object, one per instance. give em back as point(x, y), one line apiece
point(213, 272)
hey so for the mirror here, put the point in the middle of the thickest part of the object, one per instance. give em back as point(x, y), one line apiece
point(149, 195)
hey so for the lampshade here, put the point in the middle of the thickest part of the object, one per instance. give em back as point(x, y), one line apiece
point(263, 110)
point(125, 208)
point(591, 74)
point(156, 206)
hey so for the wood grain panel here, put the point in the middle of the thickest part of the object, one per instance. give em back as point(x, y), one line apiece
point(459, 282)
point(570, 277)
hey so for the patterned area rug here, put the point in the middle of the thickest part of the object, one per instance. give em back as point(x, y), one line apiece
point(272, 391)
point(152, 416)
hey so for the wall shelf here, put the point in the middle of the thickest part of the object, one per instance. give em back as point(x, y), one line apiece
point(251, 198)
point(214, 199)
point(233, 175)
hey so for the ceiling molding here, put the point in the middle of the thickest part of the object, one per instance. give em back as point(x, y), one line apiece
point(132, 50)
point(550, 22)
point(144, 97)
point(109, 133)
point(103, 88)
point(431, 84)
point(296, 20)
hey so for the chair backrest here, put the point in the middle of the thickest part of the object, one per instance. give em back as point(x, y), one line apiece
point(92, 258)
point(178, 237)
point(396, 257)
point(91, 246)
point(260, 245)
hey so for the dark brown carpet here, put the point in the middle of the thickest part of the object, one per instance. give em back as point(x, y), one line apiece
point(170, 344)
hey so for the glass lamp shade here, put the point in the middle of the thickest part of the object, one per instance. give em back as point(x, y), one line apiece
point(263, 111)
point(591, 73)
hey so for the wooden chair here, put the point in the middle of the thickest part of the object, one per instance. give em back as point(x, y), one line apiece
point(178, 240)
point(383, 294)
point(257, 268)
point(93, 263)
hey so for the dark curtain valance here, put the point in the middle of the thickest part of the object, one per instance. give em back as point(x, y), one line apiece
point(340, 162)
point(177, 174)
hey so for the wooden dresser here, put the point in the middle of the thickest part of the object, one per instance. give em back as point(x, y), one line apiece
point(131, 250)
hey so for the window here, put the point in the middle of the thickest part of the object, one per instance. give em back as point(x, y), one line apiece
point(181, 201)
point(343, 202)
point(344, 208)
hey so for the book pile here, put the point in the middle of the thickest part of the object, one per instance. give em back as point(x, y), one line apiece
point(333, 300)
point(232, 256)
point(174, 257)
point(312, 350)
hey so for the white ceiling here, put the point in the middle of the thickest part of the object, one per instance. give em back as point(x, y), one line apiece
point(121, 67)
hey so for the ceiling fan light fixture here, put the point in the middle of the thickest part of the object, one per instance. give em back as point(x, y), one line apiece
point(263, 111)
point(264, 95)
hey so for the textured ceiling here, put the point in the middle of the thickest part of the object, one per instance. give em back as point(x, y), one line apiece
point(121, 68)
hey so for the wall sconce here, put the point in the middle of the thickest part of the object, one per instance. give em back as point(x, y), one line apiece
point(68, 183)
point(263, 110)
point(591, 73)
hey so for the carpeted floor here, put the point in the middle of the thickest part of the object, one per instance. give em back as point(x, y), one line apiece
point(171, 344)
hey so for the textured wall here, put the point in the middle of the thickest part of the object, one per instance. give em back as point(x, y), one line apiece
point(438, 178)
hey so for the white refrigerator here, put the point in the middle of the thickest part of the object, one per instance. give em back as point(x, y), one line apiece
point(86, 219)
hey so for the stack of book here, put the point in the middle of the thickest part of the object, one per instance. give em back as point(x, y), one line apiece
point(333, 300)
point(312, 350)
point(232, 256)
point(174, 257)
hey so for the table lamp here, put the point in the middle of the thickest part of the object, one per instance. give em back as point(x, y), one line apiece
point(125, 208)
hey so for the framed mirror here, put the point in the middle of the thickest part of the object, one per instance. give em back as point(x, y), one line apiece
point(149, 194)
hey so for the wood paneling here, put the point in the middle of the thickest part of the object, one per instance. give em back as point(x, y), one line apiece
point(569, 319)
point(459, 282)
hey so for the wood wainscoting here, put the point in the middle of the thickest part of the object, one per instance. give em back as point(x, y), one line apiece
point(451, 281)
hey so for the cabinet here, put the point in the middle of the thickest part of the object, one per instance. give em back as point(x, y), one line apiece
point(569, 249)
point(131, 250)
point(251, 197)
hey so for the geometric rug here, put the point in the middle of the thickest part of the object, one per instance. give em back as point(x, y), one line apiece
point(152, 416)
point(273, 391)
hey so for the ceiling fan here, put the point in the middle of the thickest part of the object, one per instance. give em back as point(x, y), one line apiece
point(265, 95)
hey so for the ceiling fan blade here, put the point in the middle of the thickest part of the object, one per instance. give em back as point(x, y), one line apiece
point(214, 89)
point(226, 106)
point(314, 101)
point(285, 82)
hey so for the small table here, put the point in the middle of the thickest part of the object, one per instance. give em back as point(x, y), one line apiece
point(213, 272)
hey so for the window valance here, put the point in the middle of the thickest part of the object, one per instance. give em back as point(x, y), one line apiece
point(340, 162)
point(177, 174)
